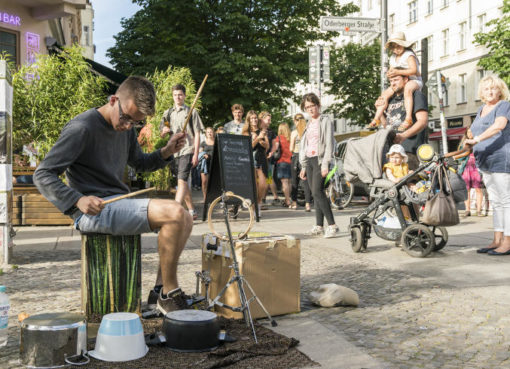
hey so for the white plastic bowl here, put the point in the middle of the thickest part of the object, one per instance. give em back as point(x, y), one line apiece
point(120, 338)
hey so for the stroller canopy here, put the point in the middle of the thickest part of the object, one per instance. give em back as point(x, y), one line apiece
point(364, 157)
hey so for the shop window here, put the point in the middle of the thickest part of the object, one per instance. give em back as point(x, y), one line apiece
point(9, 43)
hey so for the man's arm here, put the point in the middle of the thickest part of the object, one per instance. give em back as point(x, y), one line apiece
point(422, 119)
point(62, 155)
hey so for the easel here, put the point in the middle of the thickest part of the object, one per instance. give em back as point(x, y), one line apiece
point(236, 278)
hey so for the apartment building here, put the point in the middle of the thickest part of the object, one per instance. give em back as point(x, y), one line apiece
point(449, 27)
point(30, 27)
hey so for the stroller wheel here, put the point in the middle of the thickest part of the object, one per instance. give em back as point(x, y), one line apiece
point(418, 240)
point(440, 237)
point(358, 238)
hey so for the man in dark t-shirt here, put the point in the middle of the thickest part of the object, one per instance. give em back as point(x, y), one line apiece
point(416, 134)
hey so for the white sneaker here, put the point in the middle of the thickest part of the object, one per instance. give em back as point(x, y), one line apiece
point(331, 231)
point(315, 231)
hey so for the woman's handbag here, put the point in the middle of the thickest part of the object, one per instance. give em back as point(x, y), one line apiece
point(440, 209)
point(458, 185)
point(277, 154)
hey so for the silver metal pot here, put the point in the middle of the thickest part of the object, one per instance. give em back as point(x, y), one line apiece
point(53, 340)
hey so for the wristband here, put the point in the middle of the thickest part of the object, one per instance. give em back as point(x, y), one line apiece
point(477, 139)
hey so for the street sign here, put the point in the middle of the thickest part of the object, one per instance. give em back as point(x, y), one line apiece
point(350, 24)
point(325, 65)
point(314, 64)
point(368, 37)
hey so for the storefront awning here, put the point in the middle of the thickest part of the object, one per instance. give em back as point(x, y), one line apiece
point(451, 134)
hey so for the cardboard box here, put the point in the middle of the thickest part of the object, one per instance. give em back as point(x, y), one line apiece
point(271, 266)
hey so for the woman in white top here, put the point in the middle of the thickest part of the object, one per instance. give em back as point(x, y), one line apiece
point(403, 61)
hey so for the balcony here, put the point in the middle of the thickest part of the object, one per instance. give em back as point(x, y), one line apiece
point(50, 9)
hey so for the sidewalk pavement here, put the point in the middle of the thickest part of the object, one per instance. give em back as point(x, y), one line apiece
point(449, 310)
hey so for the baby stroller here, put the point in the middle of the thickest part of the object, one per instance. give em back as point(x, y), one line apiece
point(363, 161)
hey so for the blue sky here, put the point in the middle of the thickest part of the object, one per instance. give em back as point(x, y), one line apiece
point(107, 16)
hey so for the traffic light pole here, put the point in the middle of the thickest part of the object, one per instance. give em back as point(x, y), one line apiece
point(384, 37)
point(441, 111)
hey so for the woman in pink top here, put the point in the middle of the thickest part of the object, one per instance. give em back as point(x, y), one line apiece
point(315, 155)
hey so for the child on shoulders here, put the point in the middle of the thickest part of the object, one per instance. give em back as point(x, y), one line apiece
point(403, 61)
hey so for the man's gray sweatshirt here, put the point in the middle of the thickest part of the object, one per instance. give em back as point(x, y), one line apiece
point(93, 156)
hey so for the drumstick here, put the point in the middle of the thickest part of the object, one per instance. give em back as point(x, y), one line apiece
point(194, 103)
point(128, 195)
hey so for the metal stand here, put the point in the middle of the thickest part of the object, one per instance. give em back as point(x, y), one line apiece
point(241, 281)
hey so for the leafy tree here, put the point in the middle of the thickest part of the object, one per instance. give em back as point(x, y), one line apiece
point(355, 81)
point(49, 93)
point(253, 50)
point(497, 40)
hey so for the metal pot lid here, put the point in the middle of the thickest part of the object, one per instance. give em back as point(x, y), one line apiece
point(191, 315)
point(53, 321)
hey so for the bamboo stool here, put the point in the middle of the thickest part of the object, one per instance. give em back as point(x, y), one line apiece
point(111, 274)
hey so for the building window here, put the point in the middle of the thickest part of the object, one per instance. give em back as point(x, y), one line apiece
point(430, 7)
point(430, 43)
point(480, 73)
point(445, 97)
point(370, 5)
point(9, 44)
point(412, 11)
point(444, 3)
point(462, 98)
point(391, 23)
point(446, 41)
point(462, 36)
point(482, 19)
point(86, 35)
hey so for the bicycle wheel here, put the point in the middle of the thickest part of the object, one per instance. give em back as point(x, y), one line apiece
point(340, 192)
point(240, 215)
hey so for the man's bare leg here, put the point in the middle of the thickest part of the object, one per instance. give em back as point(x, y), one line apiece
point(175, 225)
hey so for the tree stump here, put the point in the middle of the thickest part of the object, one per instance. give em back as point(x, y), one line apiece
point(111, 274)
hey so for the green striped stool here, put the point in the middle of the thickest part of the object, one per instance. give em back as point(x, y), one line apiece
point(111, 274)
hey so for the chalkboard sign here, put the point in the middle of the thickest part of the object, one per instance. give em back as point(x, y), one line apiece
point(232, 169)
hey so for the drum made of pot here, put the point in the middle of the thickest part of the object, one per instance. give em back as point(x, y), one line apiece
point(48, 339)
point(191, 330)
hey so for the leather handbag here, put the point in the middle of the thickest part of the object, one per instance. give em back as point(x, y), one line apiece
point(440, 209)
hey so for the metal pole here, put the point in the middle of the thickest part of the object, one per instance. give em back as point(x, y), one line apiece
point(441, 112)
point(384, 38)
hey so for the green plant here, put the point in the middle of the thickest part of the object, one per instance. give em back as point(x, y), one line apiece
point(49, 93)
point(163, 82)
point(1, 271)
point(14, 266)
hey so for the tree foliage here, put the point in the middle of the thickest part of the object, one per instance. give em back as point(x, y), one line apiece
point(253, 50)
point(355, 81)
point(497, 40)
point(49, 93)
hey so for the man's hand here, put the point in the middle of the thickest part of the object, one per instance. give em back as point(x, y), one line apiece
point(175, 144)
point(302, 174)
point(194, 160)
point(380, 102)
point(90, 205)
point(324, 172)
point(166, 130)
point(399, 138)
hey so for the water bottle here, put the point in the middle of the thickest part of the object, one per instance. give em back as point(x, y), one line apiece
point(4, 316)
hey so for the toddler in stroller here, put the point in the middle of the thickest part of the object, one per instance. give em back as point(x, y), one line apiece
point(364, 161)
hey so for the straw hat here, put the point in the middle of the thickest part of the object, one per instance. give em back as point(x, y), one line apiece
point(399, 149)
point(398, 38)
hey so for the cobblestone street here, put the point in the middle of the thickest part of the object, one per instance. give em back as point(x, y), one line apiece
point(446, 311)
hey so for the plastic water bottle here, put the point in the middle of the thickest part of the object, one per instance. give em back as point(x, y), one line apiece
point(4, 316)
